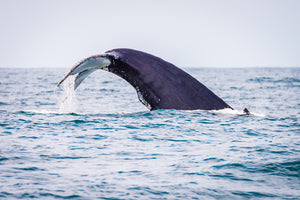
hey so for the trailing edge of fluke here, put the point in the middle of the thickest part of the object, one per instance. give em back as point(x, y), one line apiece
point(159, 84)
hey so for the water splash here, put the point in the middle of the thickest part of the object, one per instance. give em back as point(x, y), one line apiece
point(68, 102)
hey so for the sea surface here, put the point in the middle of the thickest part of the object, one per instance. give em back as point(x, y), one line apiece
point(102, 143)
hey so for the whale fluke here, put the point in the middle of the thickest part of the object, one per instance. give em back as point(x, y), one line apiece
point(159, 84)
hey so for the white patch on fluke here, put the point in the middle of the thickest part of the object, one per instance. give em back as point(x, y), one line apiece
point(90, 63)
point(68, 102)
point(88, 66)
point(116, 55)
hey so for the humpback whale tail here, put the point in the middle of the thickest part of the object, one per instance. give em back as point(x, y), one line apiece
point(159, 84)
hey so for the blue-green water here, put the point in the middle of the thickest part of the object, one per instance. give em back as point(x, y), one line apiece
point(107, 145)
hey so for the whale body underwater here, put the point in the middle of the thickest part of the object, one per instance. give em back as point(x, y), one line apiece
point(159, 84)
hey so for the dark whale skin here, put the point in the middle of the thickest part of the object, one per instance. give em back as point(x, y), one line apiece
point(160, 84)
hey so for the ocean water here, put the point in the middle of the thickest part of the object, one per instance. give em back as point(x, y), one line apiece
point(102, 143)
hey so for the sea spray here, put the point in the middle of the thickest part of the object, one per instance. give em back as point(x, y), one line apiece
point(68, 101)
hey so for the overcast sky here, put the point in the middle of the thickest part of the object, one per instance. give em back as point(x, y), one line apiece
point(187, 33)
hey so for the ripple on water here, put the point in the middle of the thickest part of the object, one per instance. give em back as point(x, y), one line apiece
point(109, 148)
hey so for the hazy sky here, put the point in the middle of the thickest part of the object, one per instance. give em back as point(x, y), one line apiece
point(210, 33)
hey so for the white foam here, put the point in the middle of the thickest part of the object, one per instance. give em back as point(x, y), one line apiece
point(42, 111)
point(237, 112)
point(229, 111)
point(258, 114)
